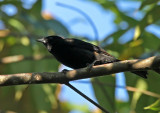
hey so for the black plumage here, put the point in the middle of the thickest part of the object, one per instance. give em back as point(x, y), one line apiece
point(77, 54)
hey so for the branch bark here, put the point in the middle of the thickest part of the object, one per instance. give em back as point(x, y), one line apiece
point(152, 63)
point(18, 58)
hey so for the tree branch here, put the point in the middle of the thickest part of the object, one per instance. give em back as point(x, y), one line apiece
point(18, 58)
point(152, 63)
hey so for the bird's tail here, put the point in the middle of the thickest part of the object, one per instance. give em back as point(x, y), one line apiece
point(141, 73)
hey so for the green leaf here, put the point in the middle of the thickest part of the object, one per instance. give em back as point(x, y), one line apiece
point(17, 25)
point(150, 18)
point(141, 85)
point(41, 98)
point(152, 82)
point(132, 49)
point(155, 106)
point(36, 9)
point(105, 94)
point(150, 41)
point(137, 33)
point(147, 2)
point(57, 27)
point(115, 35)
point(122, 107)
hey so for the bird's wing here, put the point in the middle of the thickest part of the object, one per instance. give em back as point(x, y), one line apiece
point(85, 45)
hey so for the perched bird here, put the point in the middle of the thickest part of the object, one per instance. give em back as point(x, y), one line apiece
point(77, 54)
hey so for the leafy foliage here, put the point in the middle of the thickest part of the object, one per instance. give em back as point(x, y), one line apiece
point(18, 40)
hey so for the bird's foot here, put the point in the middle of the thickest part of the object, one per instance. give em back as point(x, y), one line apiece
point(89, 66)
point(65, 71)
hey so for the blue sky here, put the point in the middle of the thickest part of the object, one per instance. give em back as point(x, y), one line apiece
point(100, 17)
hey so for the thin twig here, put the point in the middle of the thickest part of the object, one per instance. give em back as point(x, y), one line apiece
point(86, 97)
point(129, 88)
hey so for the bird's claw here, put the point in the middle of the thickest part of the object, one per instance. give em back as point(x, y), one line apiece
point(65, 71)
point(89, 66)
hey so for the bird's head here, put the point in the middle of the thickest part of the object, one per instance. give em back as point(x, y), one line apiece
point(50, 41)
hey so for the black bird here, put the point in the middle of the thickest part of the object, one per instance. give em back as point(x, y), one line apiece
point(77, 54)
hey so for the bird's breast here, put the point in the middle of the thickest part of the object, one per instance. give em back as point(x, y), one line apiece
point(74, 57)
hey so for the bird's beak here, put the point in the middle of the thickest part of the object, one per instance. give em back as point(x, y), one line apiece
point(42, 40)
